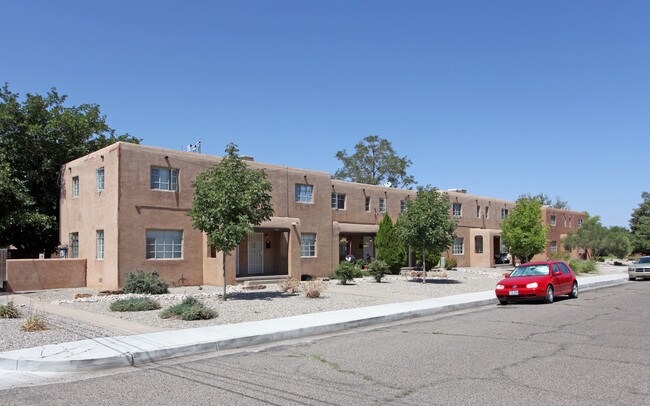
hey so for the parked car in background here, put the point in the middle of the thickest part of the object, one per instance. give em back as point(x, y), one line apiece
point(639, 269)
point(538, 281)
point(503, 258)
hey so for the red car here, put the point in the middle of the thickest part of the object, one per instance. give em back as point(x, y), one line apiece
point(538, 280)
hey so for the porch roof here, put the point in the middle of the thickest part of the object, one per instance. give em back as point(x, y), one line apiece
point(351, 228)
point(286, 223)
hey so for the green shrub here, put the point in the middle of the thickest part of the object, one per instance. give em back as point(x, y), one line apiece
point(346, 272)
point(145, 283)
point(432, 259)
point(451, 263)
point(581, 266)
point(134, 304)
point(378, 269)
point(357, 273)
point(560, 255)
point(9, 311)
point(189, 309)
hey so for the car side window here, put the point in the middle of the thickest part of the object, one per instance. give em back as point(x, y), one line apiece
point(556, 268)
point(565, 268)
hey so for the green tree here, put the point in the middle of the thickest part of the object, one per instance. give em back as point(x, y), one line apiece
point(389, 248)
point(230, 199)
point(523, 231)
point(426, 225)
point(617, 242)
point(640, 226)
point(547, 201)
point(37, 136)
point(591, 237)
point(374, 162)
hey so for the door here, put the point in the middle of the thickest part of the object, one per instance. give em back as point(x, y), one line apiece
point(256, 253)
point(368, 249)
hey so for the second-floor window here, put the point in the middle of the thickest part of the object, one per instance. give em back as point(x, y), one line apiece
point(338, 201)
point(504, 214)
point(553, 221)
point(164, 179)
point(487, 212)
point(457, 209)
point(579, 222)
point(99, 179)
point(367, 203)
point(402, 206)
point(75, 187)
point(478, 212)
point(304, 193)
point(382, 205)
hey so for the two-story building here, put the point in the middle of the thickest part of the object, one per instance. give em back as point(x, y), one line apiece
point(124, 208)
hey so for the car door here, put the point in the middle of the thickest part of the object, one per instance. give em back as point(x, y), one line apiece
point(558, 279)
point(567, 276)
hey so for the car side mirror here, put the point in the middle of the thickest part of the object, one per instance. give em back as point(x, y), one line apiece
point(506, 275)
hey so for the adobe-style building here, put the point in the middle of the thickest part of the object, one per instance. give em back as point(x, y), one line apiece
point(124, 208)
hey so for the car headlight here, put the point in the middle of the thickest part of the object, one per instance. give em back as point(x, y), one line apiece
point(500, 287)
point(532, 285)
point(630, 269)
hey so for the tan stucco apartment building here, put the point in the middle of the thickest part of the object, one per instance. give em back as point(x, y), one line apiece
point(123, 208)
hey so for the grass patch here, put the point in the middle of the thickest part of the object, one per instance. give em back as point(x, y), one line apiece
point(581, 266)
point(9, 311)
point(189, 309)
point(134, 304)
point(33, 323)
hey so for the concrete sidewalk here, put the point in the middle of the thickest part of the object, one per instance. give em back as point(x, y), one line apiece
point(111, 352)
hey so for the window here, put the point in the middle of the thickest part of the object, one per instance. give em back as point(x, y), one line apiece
point(74, 245)
point(75, 187)
point(304, 193)
point(338, 201)
point(307, 245)
point(100, 244)
point(164, 179)
point(458, 246)
point(457, 209)
point(164, 244)
point(367, 203)
point(504, 214)
point(579, 222)
point(487, 212)
point(565, 269)
point(553, 246)
point(99, 179)
point(553, 220)
point(569, 221)
point(478, 244)
point(402, 206)
point(478, 212)
point(382, 205)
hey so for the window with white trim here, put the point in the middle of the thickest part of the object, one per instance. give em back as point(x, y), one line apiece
point(382, 205)
point(504, 214)
point(457, 209)
point(100, 244)
point(402, 206)
point(164, 244)
point(553, 221)
point(99, 179)
point(553, 246)
point(307, 245)
point(164, 179)
point(338, 201)
point(304, 193)
point(478, 244)
point(75, 187)
point(579, 222)
point(487, 212)
point(458, 248)
point(478, 212)
point(367, 203)
point(74, 245)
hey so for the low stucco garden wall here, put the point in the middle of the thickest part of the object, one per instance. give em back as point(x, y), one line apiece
point(39, 274)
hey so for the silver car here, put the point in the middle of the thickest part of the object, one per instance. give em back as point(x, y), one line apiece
point(639, 269)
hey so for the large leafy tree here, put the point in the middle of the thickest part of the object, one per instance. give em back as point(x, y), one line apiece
point(547, 201)
point(617, 242)
point(38, 134)
point(389, 248)
point(640, 226)
point(522, 231)
point(426, 225)
point(230, 199)
point(591, 236)
point(374, 162)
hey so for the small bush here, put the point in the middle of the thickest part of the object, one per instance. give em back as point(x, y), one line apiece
point(34, 322)
point(289, 285)
point(581, 266)
point(189, 309)
point(135, 304)
point(314, 288)
point(345, 272)
point(451, 263)
point(9, 311)
point(145, 283)
point(560, 255)
point(378, 269)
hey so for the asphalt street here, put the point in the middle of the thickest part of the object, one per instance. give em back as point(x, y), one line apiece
point(590, 350)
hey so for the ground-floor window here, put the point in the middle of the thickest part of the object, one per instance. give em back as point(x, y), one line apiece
point(307, 245)
point(553, 246)
point(164, 244)
point(100, 244)
point(74, 245)
point(458, 246)
point(478, 244)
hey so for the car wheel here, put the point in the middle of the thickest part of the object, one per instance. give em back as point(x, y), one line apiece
point(503, 302)
point(549, 294)
point(574, 291)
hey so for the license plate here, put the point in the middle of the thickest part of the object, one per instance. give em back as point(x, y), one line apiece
point(514, 293)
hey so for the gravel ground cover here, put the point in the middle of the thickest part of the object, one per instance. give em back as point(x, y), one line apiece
point(247, 305)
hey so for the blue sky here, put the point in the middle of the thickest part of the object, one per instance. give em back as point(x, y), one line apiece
point(498, 97)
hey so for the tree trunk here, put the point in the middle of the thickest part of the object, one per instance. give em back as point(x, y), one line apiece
point(424, 266)
point(223, 298)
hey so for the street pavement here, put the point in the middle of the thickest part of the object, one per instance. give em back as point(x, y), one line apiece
point(585, 351)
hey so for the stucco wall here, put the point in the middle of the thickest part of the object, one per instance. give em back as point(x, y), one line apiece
point(39, 274)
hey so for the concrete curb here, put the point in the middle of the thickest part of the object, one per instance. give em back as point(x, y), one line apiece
point(113, 352)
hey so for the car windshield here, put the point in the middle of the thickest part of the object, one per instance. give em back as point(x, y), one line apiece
point(530, 270)
point(643, 260)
